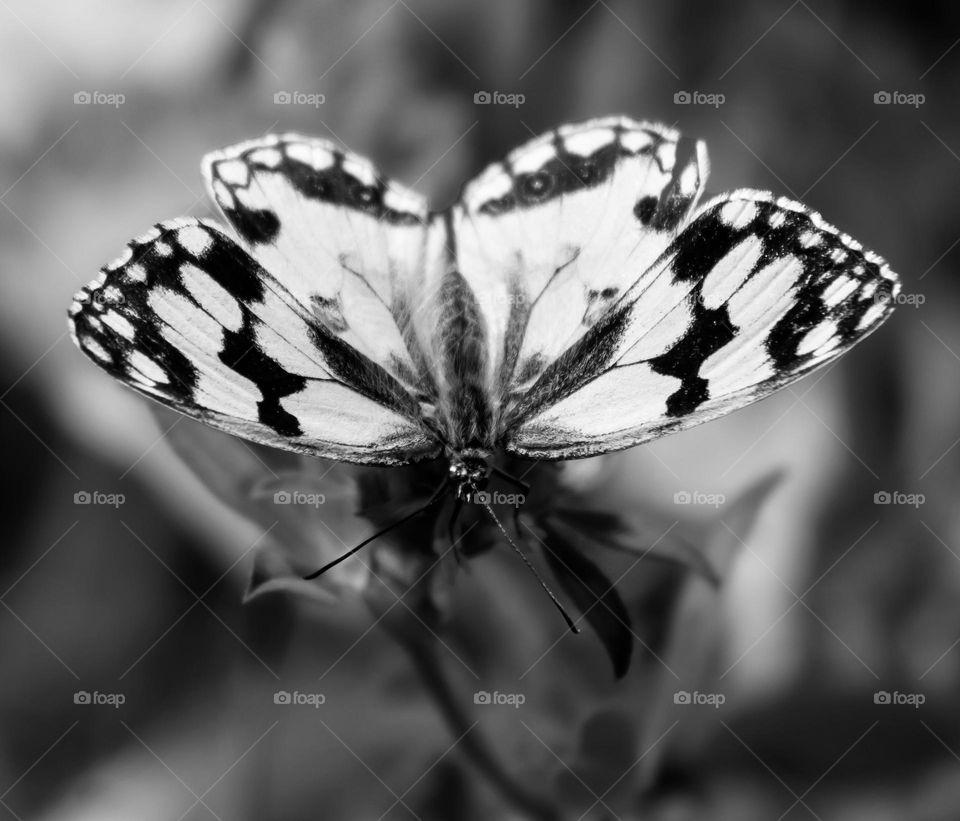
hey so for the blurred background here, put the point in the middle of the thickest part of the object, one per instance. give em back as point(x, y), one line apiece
point(136, 681)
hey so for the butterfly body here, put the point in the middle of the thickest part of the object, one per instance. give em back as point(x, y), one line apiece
point(576, 300)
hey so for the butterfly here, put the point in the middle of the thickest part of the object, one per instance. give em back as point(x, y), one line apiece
point(577, 299)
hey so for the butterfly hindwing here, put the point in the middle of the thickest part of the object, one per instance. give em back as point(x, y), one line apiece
point(188, 318)
point(752, 294)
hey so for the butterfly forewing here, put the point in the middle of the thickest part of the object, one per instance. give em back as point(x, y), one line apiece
point(188, 318)
point(751, 295)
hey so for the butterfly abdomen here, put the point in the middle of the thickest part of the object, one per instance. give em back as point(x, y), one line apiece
point(467, 415)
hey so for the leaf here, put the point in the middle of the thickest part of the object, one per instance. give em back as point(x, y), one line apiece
point(696, 624)
point(273, 573)
point(646, 536)
point(229, 467)
point(731, 529)
point(592, 593)
point(307, 506)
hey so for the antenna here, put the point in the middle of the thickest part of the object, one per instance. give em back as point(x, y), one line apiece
point(566, 616)
point(437, 494)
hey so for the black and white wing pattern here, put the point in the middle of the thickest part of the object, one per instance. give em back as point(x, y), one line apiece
point(574, 301)
point(188, 318)
point(344, 241)
point(753, 293)
point(540, 246)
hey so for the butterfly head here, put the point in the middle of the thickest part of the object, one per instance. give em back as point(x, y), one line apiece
point(469, 472)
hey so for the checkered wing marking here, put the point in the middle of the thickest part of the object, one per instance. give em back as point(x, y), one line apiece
point(754, 293)
point(188, 318)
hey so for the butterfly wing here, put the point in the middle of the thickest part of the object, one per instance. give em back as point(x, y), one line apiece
point(344, 241)
point(188, 318)
point(752, 294)
point(539, 247)
point(567, 305)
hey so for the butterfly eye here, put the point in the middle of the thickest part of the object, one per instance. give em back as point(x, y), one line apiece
point(536, 186)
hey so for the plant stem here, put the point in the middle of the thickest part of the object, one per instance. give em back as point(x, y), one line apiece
point(476, 747)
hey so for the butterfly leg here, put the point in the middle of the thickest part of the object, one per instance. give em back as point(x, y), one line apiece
point(516, 520)
point(452, 532)
point(513, 480)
